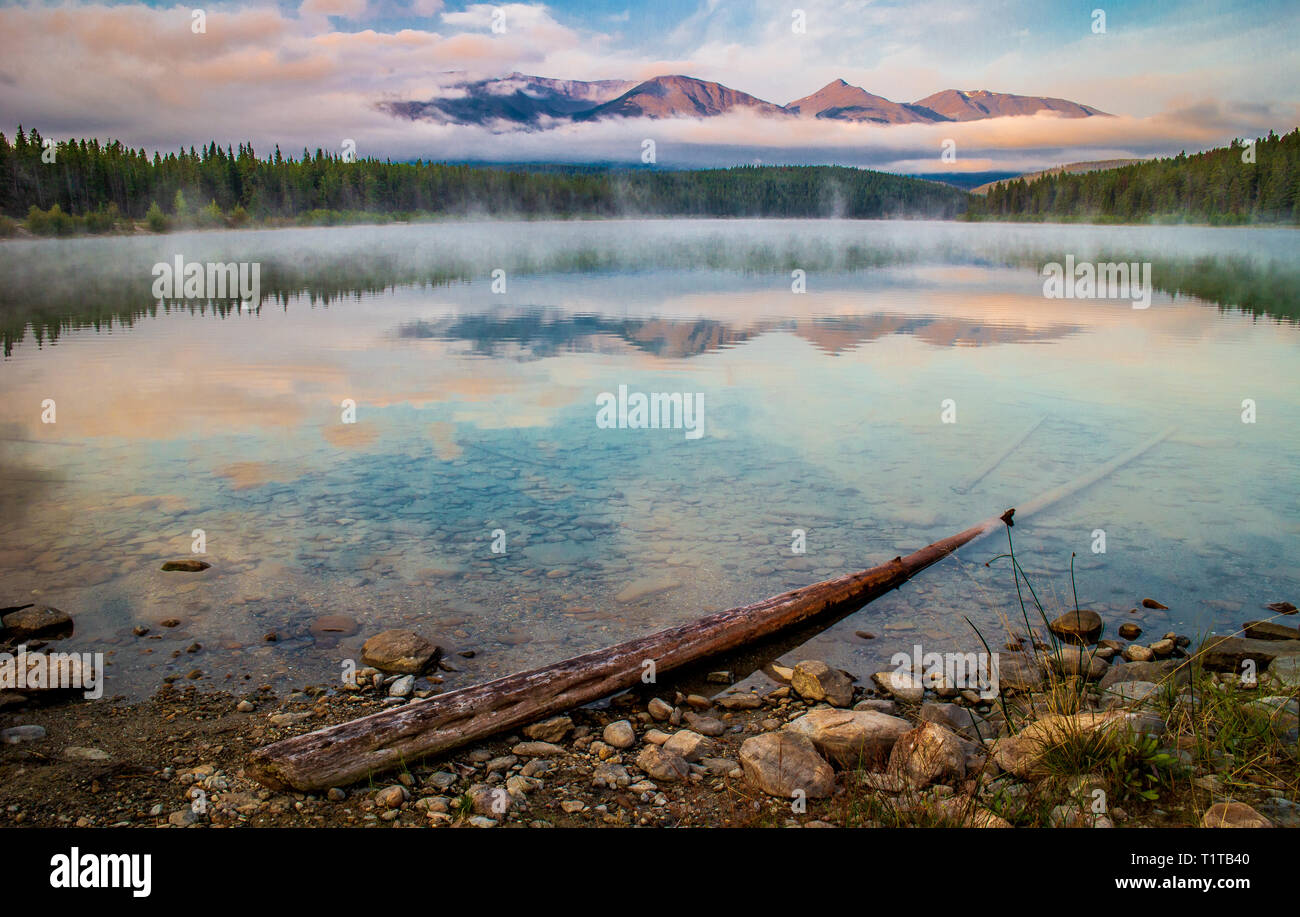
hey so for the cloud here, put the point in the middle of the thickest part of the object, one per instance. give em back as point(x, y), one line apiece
point(301, 79)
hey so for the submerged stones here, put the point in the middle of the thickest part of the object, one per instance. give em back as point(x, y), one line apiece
point(1081, 627)
point(32, 622)
point(189, 565)
point(398, 652)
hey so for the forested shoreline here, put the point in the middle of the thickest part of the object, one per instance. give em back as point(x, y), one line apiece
point(84, 186)
point(1236, 184)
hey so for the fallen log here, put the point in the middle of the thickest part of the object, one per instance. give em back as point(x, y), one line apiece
point(343, 754)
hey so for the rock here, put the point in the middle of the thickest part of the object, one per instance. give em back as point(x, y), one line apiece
point(662, 766)
point(400, 652)
point(1136, 653)
point(16, 734)
point(656, 736)
point(1130, 631)
point(1074, 815)
point(182, 818)
point(80, 753)
point(610, 776)
point(1081, 627)
point(402, 686)
point(1226, 654)
point(536, 750)
point(745, 701)
point(245, 706)
point(1162, 648)
point(501, 763)
point(1282, 608)
point(391, 797)
point(1152, 603)
point(551, 730)
point(1018, 673)
point(689, 745)
point(645, 587)
point(1169, 670)
point(288, 719)
point(1233, 815)
point(785, 763)
point(1284, 672)
point(660, 709)
point(814, 680)
point(37, 622)
point(490, 800)
point(877, 704)
point(719, 767)
point(619, 734)
point(928, 754)
point(482, 821)
point(851, 737)
point(189, 565)
point(571, 806)
point(705, 725)
point(904, 686)
point(333, 626)
point(1021, 755)
point(1130, 694)
point(1078, 662)
point(966, 723)
point(1268, 630)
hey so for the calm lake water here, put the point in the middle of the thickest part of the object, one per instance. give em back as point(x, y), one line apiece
point(476, 412)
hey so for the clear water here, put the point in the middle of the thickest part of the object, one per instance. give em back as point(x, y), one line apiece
point(476, 412)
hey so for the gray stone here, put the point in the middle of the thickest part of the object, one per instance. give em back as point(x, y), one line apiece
point(928, 754)
point(786, 764)
point(619, 734)
point(401, 652)
point(814, 680)
point(851, 737)
point(35, 622)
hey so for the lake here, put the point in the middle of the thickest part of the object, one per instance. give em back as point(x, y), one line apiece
point(384, 440)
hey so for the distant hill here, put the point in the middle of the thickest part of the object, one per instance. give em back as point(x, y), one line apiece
point(1073, 168)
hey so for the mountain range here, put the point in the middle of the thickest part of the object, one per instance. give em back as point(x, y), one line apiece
point(529, 100)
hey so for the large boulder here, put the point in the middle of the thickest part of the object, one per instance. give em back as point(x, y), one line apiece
point(1078, 662)
point(1226, 654)
point(785, 764)
point(961, 720)
point(851, 737)
point(1081, 627)
point(814, 680)
point(400, 652)
point(660, 765)
point(1155, 672)
point(928, 754)
point(1022, 754)
point(1284, 672)
point(1233, 815)
point(36, 622)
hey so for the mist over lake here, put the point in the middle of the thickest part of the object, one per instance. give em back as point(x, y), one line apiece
point(476, 413)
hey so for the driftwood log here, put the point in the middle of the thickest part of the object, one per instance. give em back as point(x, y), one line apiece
point(351, 751)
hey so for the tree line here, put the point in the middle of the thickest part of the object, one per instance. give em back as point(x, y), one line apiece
point(1257, 182)
point(85, 185)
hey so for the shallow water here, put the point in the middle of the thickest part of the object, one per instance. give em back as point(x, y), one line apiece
point(476, 412)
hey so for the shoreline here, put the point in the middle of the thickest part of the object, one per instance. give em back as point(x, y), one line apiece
point(871, 752)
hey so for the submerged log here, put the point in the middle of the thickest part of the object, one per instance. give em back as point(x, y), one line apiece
point(351, 751)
